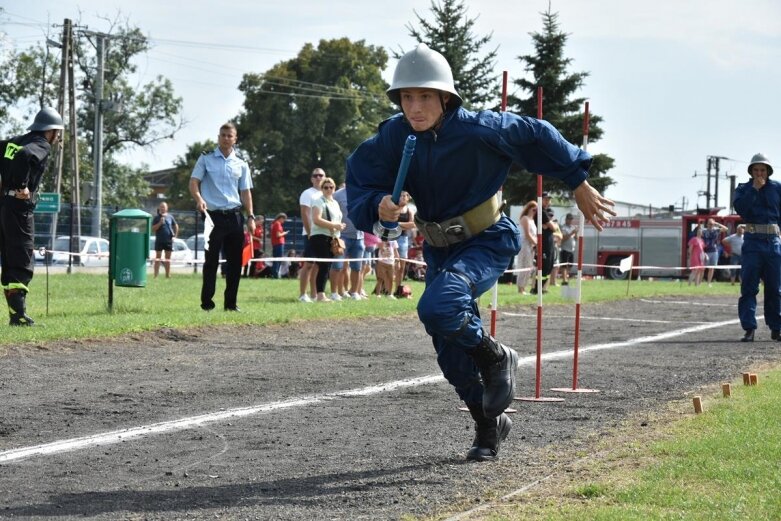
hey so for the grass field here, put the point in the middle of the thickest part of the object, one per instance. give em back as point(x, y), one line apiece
point(722, 464)
point(78, 304)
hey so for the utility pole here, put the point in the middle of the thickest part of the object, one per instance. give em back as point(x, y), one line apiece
point(98, 141)
point(67, 34)
point(74, 153)
point(707, 191)
point(732, 179)
point(716, 181)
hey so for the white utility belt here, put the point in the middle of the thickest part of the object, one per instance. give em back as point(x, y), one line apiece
point(766, 229)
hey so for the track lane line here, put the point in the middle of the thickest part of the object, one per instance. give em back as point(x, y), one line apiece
point(611, 319)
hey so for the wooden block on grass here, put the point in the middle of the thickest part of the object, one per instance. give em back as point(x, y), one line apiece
point(752, 379)
point(726, 389)
point(746, 379)
point(697, 404)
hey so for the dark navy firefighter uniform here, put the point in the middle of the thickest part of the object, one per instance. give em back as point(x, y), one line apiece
point(761, 253)
point(22, 165)
point(456, 168)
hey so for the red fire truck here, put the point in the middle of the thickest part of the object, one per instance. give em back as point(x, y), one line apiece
point(661, 243)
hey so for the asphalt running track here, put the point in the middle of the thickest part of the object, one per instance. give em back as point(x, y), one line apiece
point(316, 422)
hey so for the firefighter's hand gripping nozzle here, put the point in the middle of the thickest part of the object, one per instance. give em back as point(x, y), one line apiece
point(388, 231)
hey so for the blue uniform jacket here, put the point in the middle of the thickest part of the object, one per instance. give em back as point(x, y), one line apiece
point(459, 166)
point(759, 206)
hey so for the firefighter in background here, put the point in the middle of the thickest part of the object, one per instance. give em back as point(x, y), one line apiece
point(461, 160)
point(22, 164)
point(759, 204)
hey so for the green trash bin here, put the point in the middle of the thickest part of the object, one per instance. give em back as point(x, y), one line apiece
point(129, 247)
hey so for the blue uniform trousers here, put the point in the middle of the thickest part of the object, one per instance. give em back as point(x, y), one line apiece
point(761, 259)
point(455, 277)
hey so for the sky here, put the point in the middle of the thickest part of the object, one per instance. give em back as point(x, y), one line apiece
point(675, 81)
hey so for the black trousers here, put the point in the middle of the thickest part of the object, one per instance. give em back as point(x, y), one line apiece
point(16, 243)
point(548, 252)
point(321, 248)
point(226, 236)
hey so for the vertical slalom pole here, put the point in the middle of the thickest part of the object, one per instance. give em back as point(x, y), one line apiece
point(578, 285)
point(538, 366)
point(495, 295)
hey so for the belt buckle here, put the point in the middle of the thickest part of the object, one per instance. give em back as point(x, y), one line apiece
point(437, 237)
point(458, 229)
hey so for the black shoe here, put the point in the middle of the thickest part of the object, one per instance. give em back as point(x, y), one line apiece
point(208, 306)
point(497, 365)
point(775, 334)
point(233, 308)
point(489, 434)
point(17, 308)
point(20, 320)
point(749, 336)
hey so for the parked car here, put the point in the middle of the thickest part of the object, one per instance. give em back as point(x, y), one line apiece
point(91, 251)
point(180, 254)
point(191, 244)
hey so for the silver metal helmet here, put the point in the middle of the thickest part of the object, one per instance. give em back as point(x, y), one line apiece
point(760, 158)
point(423, 68)
point(47, 119)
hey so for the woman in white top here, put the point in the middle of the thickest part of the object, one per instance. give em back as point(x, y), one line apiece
point(326, 223)
point(528, 245)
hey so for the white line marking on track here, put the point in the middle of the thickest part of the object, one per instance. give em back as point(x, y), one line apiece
point(611, 319)
point(111, 437)
point(689, 303)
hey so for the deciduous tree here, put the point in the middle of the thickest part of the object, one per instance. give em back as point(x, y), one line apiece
point(134, 115)
point(308, 112)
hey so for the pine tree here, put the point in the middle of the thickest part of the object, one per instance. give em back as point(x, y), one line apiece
point(561, 107)
point(450, 33)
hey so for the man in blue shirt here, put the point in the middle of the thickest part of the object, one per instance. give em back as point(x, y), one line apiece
point(758, 202)
point(221, 185)
point(461, 160)
point(166, 229)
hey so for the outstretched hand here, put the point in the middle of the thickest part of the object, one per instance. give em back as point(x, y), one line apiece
point(596, 208)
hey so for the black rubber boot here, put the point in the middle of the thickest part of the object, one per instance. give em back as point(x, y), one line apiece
point(775, 334)
point(17, 308)
point(497, 365)
point(749, 336)
point(489, 434)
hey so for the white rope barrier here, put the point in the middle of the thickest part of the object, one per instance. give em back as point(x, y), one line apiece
point(190, 262)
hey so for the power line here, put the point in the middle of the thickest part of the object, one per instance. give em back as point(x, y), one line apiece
point(218, 46)
point(300, 95)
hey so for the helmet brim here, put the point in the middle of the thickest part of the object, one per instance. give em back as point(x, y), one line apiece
point(768, 165)
point(394, 94)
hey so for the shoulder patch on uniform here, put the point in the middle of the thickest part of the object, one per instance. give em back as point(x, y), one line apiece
point(10, 150)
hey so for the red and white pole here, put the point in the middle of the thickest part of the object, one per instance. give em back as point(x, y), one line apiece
point(538, 368)
point(495, 296)
point(579, 285)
